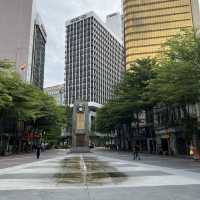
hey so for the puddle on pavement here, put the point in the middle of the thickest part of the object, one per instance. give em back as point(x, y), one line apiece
point(94, 172)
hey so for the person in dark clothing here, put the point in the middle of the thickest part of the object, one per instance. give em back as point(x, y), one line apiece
point(38, 152)
point(136, 151)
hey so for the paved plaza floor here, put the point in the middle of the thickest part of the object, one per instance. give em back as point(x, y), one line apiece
point(101, 175)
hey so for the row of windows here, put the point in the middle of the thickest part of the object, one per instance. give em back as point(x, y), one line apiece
point(75, 50)
point(98, 86)
point(160, 19)
point(92, 99)
point(98, 74)
point(103, 55)
point(147, 42)
point(84, 21)
point(157, 12)
point(144, 2)
point(86, 31)
point(98, 60)
point(83, 59)
point(152, 34)
point(72, 37)
point(163, 26)
point(82, 92)
point(87, 42)
point(101, 45)
point(86, 79)
point(98, 67)
point(131, 58)
point(157, 4)
point(105, 92)
point(143, 49)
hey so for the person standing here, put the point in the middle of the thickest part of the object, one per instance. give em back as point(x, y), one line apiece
point(43, 147)
point(136, 153)
point(38, 152)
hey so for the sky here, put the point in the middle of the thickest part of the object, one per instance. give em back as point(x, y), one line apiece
point(54, 13)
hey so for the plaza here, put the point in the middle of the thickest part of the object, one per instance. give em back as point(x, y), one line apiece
point(99, 175)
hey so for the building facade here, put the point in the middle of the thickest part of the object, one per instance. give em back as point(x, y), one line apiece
point(38, 53)
point(114, 22)
point(150, 23)
point(57, 92)
point(23, 39)
point(94, 60)
point(170, 131)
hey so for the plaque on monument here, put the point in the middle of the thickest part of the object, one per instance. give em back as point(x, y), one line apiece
point(80, 121)
point(80, 137)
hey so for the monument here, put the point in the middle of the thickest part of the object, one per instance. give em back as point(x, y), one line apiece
point(80, 128)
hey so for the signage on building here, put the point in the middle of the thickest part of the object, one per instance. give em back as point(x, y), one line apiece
point(78, 18)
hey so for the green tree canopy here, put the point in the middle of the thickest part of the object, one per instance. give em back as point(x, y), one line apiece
point(24, 102)
point(129, 99)
point(177, 79)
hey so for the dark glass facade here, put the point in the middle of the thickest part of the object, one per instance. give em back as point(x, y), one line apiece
point(38, 57)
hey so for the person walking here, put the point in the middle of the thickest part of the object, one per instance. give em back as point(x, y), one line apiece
point(38, 152)
point(136, 151)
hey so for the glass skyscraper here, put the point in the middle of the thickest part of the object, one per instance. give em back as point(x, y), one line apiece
point(38, 53)
point(149, 23)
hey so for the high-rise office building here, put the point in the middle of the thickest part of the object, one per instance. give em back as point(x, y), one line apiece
point(149, 23)
point(38, 53)
point(23, 39)
point(114, 22)
point(57, 92)
point(94, 61)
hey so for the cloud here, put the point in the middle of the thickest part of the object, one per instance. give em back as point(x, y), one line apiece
point(54, 13)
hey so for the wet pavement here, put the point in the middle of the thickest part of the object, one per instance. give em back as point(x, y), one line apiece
point(100, 176)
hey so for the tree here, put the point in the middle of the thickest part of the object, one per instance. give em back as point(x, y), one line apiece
point(177, 79)
point(5, 98)
point(172, 81)
point(129, 100)
point(185, 46)
point(23, 103)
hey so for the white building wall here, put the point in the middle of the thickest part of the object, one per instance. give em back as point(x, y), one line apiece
point(114, 22)
point(16, 25)
point(57, 92)
point(196, 13)
point(31, 36)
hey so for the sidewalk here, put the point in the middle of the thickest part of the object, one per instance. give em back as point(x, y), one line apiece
point(147, 155)
point(181, 163)
point(13, 160)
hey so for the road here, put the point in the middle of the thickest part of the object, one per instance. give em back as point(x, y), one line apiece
point(101, 175)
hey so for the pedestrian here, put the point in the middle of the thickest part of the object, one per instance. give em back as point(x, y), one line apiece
point(136, 151)
point(43, 147)
point(38, 152)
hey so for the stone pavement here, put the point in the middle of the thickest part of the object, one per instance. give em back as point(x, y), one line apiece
point(13, 160)
point(157, 160)
point(98, 176)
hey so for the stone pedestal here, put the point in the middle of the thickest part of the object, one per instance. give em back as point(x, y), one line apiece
point(80, 129)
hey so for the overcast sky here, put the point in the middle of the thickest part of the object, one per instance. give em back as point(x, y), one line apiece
point(54, 13)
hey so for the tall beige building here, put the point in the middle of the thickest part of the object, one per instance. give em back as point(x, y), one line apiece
point(149, 23)
point(23, 39)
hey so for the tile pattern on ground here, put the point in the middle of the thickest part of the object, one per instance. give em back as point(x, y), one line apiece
point(90, 171)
